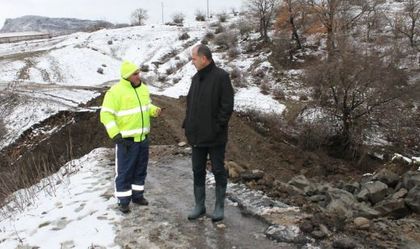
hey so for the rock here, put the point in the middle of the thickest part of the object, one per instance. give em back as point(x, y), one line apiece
point(300, 182)
point(413, 199)
point(317, 234)
point(372, 191)
point(306, 227)
point(344, 243)
point(100, 70)
point(288, 234)
point(221, 226)
point(411, 179)
point(400, 194)
point(361, 223)
point(392, 207)
point(388, 177)
point(352, 187)
point(182, 144)
point(234, 170)
point(253, 175)
point(409, 244)
point(364, 210)
point(341, 202)
point(109, 42)
point(325, 230)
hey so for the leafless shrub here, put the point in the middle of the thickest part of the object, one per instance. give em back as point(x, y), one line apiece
point(200, 16)
point(180, 64)
point(313, 135)
point(209, 35)
point(279, 94)
point(233, 52)
point(238, 79)
point(222, 17)
point(245, 27)
point(162, 78)
point(170, 70)
point(144, 68)
point(355, 88)
point(265, 87)
point(226, 40)
point(184, 36)
point(219, 29)
point(282, 51)
point(178, 18)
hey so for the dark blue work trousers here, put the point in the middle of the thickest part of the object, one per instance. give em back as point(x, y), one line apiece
point(131, 170)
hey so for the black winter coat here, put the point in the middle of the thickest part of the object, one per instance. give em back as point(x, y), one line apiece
point(209, 107)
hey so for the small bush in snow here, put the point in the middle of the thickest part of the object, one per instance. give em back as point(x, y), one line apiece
point(144, 68)
point(313, 135)
point(244, 27)
point(184, 36)
point(279, 94)
point(265, 87)
point(178, 18)
point(209, 35)
point(219, 29)
point(170, 70)
point(233, 52)
point(226, 40)
point(222, 17)
point(200, 16)
point(235, 73)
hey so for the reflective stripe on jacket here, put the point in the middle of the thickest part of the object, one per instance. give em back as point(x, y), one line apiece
point(127, 110)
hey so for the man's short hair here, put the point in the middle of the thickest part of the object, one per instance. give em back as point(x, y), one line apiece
point(203, 50)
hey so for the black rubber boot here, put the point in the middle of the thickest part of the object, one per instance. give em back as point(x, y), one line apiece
point(200, 197)
point(218, 213)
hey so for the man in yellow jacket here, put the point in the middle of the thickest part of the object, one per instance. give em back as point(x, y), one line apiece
point(125, 113)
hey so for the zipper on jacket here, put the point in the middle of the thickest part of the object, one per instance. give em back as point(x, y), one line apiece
point(141, 112)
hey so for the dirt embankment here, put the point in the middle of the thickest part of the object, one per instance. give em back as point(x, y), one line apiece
point(69, 135)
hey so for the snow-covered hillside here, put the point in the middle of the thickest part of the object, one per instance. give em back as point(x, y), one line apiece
point(39, 71)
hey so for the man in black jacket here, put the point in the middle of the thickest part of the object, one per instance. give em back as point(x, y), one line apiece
point(209, 107)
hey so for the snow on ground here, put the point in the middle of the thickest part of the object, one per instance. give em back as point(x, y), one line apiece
point(32, 106)
point(75, 213)
point(74, 60)
point(247, 99)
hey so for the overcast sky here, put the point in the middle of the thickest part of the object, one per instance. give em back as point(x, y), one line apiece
point(116, 11)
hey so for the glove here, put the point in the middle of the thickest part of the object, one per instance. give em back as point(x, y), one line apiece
point(118, 139)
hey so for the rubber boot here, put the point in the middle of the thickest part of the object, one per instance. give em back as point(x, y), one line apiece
point(200, 197)
point(218, 213)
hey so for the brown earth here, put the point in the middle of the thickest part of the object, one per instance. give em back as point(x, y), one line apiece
point(250, 146)
point(280, 159)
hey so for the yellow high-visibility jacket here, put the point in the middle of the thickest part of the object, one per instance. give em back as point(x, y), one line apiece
point(127, 110)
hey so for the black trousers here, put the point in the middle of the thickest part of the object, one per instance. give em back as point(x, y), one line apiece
point(217, 158)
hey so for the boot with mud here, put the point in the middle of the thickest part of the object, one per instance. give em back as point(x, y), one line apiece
point(218, 213)
point(200, 198)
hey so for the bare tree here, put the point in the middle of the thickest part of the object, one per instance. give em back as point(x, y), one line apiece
point(336, 15)
point(372, 17)
point(407, 21)
point(139, 16)
point(265, 11)
point(293, 9)
point(352, 88)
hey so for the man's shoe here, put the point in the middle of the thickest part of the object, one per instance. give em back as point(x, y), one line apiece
point(141, 201)
point(124, 208)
